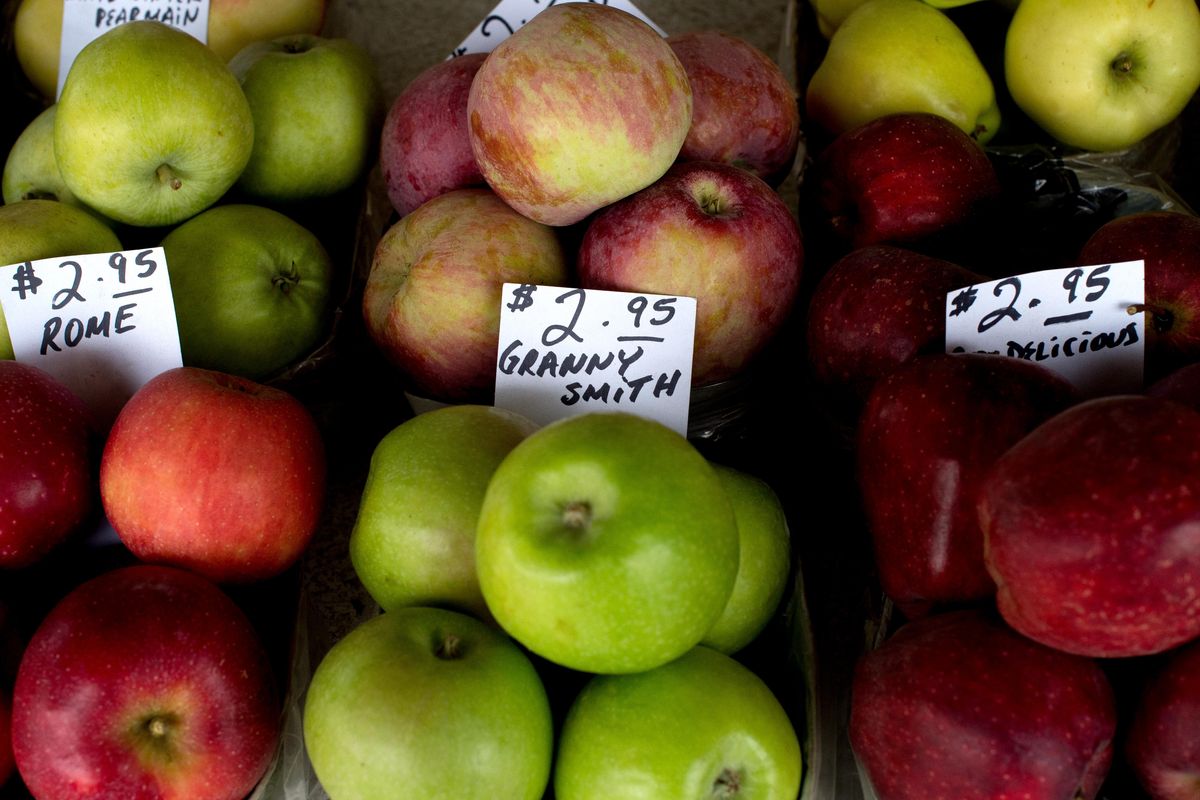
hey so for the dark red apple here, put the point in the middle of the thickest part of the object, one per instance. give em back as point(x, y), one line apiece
point(1092, 528)
point(145, 682)
point(927, 436)
point(46, 470)
point(1163, 745)
point(958, 707)
point(1181, 385)
point(6, 755)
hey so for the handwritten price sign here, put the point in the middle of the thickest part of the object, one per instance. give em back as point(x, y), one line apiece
point(510, 15)
point(571, 351)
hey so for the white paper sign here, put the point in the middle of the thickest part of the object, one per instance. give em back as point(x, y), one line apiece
point(510, 15)
point(103, 324)
point(84, 20)
point(565, 352)
point(1085, 323)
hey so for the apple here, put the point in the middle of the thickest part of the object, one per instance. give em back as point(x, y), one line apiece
point(432, 298)
point(709, 231)
point(582, 106)
point(428, 703)
point(1091, 526)
point(425, 146)
point(606, 543)
point(413, 542)
point(7, 765)
point(832, 13)
point(1181, 385)
point(251, 289)
point(744, 110)
point(315, 103)
point(1163, 743)
point(927, 436)
point(151, 127)
point(957, 706)
point(901, 56)
point(902, 179)
point(701, 725)
point(1102, 74)
point(146, 681)
point(214, 473)
point(30, 171)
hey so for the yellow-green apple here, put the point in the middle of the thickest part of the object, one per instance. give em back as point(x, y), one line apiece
point(709, 231)
point(151, 127)
point(895, 56)
point(36, 229)
point(832, 13)
point(46, 469)
point(425, 145)
point(606, 543)
point(1103, 74)
point(1094, 543)
point(316, 107)
point(413, 543)
point(251, 289)
point(582, 106)
point(7, 765)
point(702, 725)
point(902, 178)
point(957, 706)
point(146, 681)
point(764, 561)
point(432, 298)
point(928, 434)
point(744, 110)
point(214, 473)
point(428, 703)
point(1163, 743)
point(31, 171)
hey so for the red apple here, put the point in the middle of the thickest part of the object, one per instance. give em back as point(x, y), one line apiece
point(958, 707)
point(46, 469)
point(1181, 385)
point(214, 473)
point(1091, 526)
point(425, 148)
point(145, 682)
point(902, 178)
point(744, 111)
point(709, 231)
point(926, 438)
point(1163, 745)
point(6, 755)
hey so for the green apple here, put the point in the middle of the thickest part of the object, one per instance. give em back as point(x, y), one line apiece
point(316, 106)
point(606, 543)
point(413, 542)
point(1103, 74)
point(251, 289)
point(34, 229)
point(764, 561)
point(893, 56)
point(152, 127)
point(429, 703)
point(31, 171)
point(701, 726)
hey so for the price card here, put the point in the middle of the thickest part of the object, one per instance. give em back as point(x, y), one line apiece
point(565, 352)
point(84, 20)
point(510, 15)
point(1085, 323)
point(103, 324)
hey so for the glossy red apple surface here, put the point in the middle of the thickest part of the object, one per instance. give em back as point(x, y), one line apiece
point(1163, 745)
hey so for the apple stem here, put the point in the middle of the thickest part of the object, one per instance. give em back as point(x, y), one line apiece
point(167, 175)
point(1160, 318)
point(1123, 64)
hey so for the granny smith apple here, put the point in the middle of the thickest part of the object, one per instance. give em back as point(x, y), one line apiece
point(316, 104)
point(251, 289)
point(1103, 74)
point(413, 542)
point(606, 543)
point(31, 171)
point(425, 702)
point(152, 127)
point(701, 726)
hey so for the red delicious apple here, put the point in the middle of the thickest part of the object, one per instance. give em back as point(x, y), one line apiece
point(744, 111)
point(1169, 243)
point(958, 707)
point(709, 231)
point(145, 682)
point(1181, 385)
point(46, 469)
point(902, 178)
point(1091, 527)
point(6, 755)
point(1163, 745)
point(927, 436)
point(214, 473)
point(425, 147)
